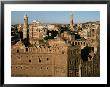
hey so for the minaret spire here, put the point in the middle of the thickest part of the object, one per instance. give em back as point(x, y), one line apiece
point(25, 27)
point(71, 23)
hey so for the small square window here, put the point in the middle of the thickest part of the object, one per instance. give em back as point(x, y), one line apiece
point(39, 60)
point(29, 60)
point(17, 51)
point(26, 49)
point(47, 59)
point(62, 52)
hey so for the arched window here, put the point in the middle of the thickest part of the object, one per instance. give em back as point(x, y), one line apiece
point(75, 43)
point(81, 43)
point(84, 43)
point(78, 43)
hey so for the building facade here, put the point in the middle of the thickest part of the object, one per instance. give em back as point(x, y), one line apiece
point(36, 32)
point(43, 61)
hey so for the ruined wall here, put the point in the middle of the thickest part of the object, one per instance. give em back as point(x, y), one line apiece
point(74, 61)
point(91, 68)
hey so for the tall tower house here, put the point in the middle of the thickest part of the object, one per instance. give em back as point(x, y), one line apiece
point(25, 27)
point(71, 23)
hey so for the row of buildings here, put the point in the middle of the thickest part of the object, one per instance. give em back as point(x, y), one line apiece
point(72, 50)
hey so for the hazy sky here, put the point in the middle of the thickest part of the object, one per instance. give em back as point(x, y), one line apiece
point(55, 16)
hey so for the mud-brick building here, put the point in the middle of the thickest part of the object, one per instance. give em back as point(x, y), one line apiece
point(44, 60)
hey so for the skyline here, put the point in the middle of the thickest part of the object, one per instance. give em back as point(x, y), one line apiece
point(62, 17)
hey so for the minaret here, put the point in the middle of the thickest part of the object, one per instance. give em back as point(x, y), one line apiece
point(71, 23)
point(25, 27)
